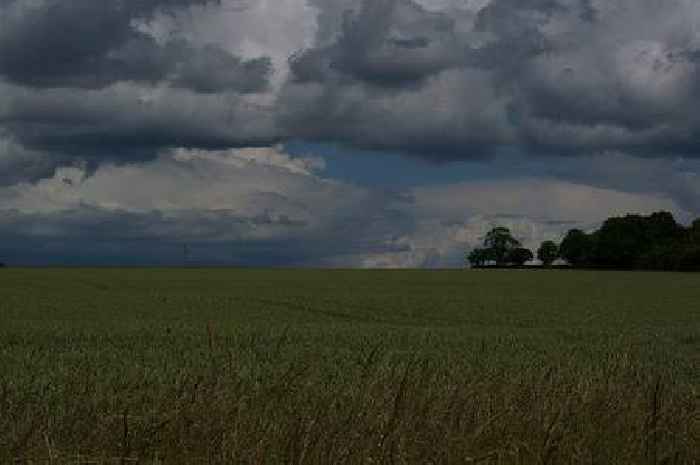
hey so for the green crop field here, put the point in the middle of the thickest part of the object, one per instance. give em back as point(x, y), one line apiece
point(117, 366)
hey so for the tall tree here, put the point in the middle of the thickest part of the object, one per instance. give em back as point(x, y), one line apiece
point(548, 253)
point(577, 248)
point(477, 257)
point(519, 256)
point(624, 242)
point(500, 242)
point(694, 232)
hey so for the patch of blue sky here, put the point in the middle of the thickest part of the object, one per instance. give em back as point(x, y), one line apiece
point(398, 170)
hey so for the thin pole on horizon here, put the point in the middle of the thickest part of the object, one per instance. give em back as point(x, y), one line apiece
point(185, 254)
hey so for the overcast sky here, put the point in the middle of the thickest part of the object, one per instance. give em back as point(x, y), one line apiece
point(345, 133)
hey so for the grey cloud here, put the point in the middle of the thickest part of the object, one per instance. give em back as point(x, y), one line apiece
point(48, 41)
point(90, 235)
point(130, 123)
point(388, 43)
point(460, 114)
point(236, 207)
point(94, 43)
point(677, 179)
point(264, 207)
point(18, 163)
point(207, 69)
point(562, 77)
point(393, 43)
point(212, 69)
point(83, 81)
point(540, 199)
point(86, 81)
point(93, 236)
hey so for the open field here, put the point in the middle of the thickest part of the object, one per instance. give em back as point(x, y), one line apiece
point(348, 367)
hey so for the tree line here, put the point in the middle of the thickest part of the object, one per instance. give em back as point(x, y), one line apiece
point(632, 242)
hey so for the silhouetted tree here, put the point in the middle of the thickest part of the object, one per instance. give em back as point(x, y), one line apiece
point(661, 227)
point(689, 259)
point(654, 242)
point(548, 252)
point(625, 242)
point(663, 257)
point(477, 257)
point(636, 242)
point(694, 232)
point(576, 248)
point(520, 256)
point(500, 242)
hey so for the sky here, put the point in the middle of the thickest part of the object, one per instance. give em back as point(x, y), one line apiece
point(337, 133)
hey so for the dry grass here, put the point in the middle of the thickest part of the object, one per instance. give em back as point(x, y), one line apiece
point(369, 369)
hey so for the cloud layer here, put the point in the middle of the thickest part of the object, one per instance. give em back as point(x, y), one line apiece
point(189, 103)
point(96, 43)
point(560, 77)
point(264, 207)
point(442, 79)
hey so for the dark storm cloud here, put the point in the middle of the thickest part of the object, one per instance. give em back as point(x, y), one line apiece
point(92, 235)
point(81, 80)
point(388, 44)
point(18, 163)
point(212, 69)
point(540, 76)
point(249, 206)
point(88, 80)
point(94, 43)
point(394, 43)
point(123, 123)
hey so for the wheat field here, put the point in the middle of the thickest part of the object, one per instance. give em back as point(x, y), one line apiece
point(218, 366)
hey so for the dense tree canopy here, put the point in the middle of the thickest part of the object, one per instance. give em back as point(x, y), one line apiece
point(624, 242)
point(577, 248)
point(500, 242)
point(548, 252)
point(519, 256)
point(500, 248)
point(478, 257)
point(654, 242)
point(694, 232)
